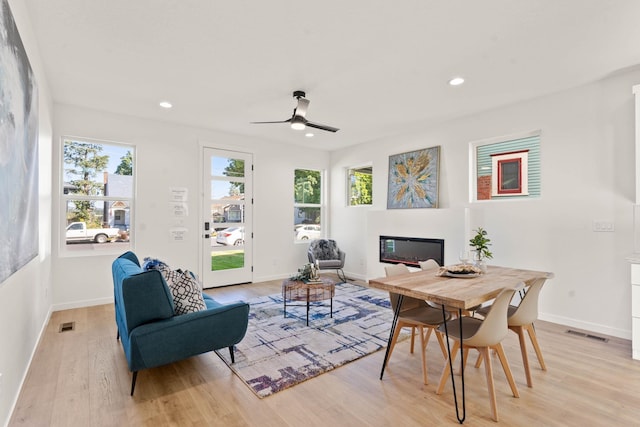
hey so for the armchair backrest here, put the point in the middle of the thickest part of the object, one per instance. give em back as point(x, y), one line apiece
point(323, 249)
point(140, 296)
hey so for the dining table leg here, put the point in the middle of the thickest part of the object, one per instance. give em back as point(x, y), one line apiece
point(453, 383)
point(396, 313)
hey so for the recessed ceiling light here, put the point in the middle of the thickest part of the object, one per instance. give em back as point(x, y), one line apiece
point(308, 135)
point(456, 81)
point(166, 104)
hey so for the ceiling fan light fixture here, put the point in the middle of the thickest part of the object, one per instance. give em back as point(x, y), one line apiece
point(297, 123)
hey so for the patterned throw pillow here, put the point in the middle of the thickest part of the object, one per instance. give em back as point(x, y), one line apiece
point(186, 291)
point(184, 286)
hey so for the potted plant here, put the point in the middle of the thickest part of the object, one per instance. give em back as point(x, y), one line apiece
point(481, 243)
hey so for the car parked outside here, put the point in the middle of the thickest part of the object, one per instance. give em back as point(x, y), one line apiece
point(231, 236)
point(308, 231)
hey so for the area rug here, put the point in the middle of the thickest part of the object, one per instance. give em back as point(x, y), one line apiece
point(277, 353)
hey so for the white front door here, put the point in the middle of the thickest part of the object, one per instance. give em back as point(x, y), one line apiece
point(226, 230)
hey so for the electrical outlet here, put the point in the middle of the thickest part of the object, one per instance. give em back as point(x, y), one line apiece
point(606, 226)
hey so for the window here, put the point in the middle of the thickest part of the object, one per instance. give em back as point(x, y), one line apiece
point(360, 186)
point(307, 205)
point(507, 167)
point(97, 196)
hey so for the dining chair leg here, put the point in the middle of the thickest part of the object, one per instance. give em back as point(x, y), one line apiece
point(478, 360)
point(394, 339)
point(446, 371)
point(505, 366)
point(490, 386)
point(523, 349)
point(423, 352)
point(413, 338)
point(439, 336)
point(534, 340)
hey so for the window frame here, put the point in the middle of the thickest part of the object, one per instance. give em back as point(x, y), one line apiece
point(321, 206)
point(349, 172)
point(65, 197)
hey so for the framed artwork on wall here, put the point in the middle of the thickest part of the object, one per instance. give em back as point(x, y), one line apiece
point(18, 150)
point(413, 179)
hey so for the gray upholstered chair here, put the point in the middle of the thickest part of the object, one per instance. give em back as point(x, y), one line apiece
point(326, 254)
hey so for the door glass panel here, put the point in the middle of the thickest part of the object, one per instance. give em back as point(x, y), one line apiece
point(227, 196)
point(224, 166)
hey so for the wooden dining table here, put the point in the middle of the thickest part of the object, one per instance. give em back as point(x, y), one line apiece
point(463, 292)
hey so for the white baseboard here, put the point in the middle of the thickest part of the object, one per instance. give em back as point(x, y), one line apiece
point(587, 326)
point(43, 328)
point(80, 304)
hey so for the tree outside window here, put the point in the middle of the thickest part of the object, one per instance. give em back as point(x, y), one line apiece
point(307, 190)
point(360, 185)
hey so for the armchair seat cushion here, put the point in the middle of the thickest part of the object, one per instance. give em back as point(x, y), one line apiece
point(329, 263)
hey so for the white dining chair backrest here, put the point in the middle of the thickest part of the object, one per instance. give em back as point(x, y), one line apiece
point(396, 270)
point(429, 264)
point(494, 327)
point(527, 311)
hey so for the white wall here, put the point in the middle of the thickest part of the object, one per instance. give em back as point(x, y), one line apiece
point(170, 156)
point(25, 297)
point(587, 148)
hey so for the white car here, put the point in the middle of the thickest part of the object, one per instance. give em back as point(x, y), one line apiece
point(308, 231)
point(231, 236)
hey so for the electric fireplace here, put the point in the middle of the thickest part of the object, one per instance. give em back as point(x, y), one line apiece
point(410, 250)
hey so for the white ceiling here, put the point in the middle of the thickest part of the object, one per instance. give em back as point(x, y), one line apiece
point(371, 68)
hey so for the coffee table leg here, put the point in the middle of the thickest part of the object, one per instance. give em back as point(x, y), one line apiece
point(307, 306)
point(331, 308)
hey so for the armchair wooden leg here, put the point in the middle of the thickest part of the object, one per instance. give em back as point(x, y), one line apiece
point(133, 381)
point(233, 360)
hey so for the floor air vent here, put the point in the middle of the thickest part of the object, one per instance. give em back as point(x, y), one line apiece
point(590, 336)
point(67, 326)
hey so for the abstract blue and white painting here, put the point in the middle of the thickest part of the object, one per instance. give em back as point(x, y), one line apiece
point(18, 151)
point(413, 179)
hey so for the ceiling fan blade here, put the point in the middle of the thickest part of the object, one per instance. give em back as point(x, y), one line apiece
point(262, 123)
point(321, 127)
point(301, 109)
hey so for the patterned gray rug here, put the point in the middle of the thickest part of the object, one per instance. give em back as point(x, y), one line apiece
point(278, 353)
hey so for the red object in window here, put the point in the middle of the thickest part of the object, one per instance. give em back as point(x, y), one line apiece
point(510, 176)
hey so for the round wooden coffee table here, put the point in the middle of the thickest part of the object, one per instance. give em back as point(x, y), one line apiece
point(297, 290)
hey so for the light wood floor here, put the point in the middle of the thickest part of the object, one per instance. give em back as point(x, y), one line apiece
point(80, 378)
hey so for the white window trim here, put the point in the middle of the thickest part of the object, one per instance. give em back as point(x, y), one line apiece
point(79, 250)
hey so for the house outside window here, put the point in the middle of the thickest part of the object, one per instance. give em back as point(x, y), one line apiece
point(97, 194)
point(506, 168)
point(360, 186)
point(307, 205)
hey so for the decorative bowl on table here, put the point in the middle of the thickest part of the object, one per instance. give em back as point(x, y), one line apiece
point(460, 271)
